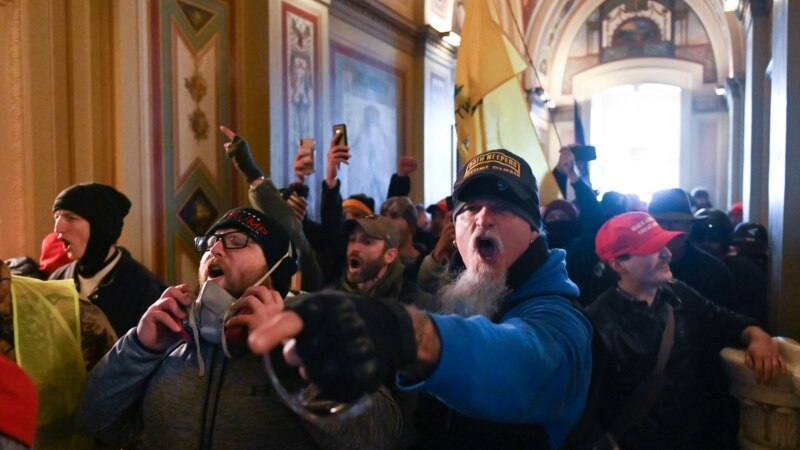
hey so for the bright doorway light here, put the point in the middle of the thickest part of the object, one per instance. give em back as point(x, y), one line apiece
point(636, 129)
point(730, 5)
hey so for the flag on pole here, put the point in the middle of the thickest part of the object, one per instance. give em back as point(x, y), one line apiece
point(490, 107)
point(580, 138)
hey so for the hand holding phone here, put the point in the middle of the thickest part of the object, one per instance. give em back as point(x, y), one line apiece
point(340, 134)
point(304, 161)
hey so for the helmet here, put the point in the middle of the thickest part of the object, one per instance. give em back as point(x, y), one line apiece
point(751, 237)
point(714, 226)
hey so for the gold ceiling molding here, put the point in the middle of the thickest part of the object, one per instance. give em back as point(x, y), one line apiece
point(377, 20)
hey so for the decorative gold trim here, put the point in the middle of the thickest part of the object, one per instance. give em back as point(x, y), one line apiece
point(15, 145)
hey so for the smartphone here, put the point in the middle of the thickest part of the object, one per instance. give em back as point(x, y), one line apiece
point(584, 152)
point(340, 134)
point(308, 146)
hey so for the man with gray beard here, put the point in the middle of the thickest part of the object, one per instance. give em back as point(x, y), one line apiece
point(474, 293)
point(513, 364)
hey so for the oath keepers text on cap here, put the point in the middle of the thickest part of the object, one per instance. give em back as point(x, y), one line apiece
point(496, 161)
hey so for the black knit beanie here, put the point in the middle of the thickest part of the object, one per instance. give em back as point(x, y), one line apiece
point(268, 233)
point(104, 208)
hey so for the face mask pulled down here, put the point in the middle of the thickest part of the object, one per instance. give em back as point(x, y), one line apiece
point(208, 314)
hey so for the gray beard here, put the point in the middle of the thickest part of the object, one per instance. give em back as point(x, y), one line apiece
point(473, 293)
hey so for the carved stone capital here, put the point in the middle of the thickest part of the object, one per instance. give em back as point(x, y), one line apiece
point(769, 415)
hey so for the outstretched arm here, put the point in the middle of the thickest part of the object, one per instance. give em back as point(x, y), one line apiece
point(543, 354)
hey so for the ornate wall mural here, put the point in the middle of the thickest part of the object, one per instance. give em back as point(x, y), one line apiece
point(368, 96)
point(301, 82)
point(192, 46)
point(622, 29)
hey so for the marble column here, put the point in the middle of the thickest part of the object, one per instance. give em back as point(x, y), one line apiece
point(756, 103)
point(784, 169)
point(769, 415)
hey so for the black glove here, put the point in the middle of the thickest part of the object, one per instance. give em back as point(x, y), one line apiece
point(239, 151)
point(301, 189)
point(349, 344)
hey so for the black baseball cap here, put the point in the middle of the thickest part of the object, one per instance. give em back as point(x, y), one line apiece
point(503, 176)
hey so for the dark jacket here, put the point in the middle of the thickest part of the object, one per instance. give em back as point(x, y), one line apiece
point(393, 286)
point(233, 406)
point(267, 198)
point(583, 264)
point(124, 294)
point(705, 274)
point(751, 287)
point(631, 333)
point(327, 236)
point(519, 381)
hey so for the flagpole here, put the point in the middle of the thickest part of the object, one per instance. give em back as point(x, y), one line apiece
point(533, 67)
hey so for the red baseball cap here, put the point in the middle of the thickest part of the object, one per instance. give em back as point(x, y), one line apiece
point(441, 205)
point(633, 233)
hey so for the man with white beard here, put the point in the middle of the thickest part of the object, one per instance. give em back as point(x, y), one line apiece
point(513, 363)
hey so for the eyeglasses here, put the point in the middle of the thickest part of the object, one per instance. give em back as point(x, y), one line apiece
point(230, 241)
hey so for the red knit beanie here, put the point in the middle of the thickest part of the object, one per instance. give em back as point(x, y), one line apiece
point(19, 403)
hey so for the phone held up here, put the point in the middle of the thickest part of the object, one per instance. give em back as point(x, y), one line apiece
point(340, 134)
point(308, 146)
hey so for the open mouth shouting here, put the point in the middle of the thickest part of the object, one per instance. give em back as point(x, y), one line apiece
point(487, 246)
point(72, 251)
point(354, 263)
point(214, 270)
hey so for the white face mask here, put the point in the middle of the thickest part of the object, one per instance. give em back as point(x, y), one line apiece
point(212, 309)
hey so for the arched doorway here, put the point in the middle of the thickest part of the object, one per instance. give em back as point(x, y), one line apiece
point(636, 129)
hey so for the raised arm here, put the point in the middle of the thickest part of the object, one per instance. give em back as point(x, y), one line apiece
point(400, 184)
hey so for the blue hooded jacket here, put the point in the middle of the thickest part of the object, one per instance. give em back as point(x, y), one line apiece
point(533, 366)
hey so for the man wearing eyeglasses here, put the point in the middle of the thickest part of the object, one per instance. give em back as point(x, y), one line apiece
point(183, 378)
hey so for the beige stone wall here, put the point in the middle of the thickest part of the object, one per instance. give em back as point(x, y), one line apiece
point(56, 113)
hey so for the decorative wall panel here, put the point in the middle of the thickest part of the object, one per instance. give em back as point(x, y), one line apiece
point(301, 82)
point(192, 52)
point(368, 96)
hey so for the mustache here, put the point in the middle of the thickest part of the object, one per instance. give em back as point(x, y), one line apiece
point(487, 235)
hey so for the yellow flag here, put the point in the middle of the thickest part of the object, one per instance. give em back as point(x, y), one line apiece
point(490, 106)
